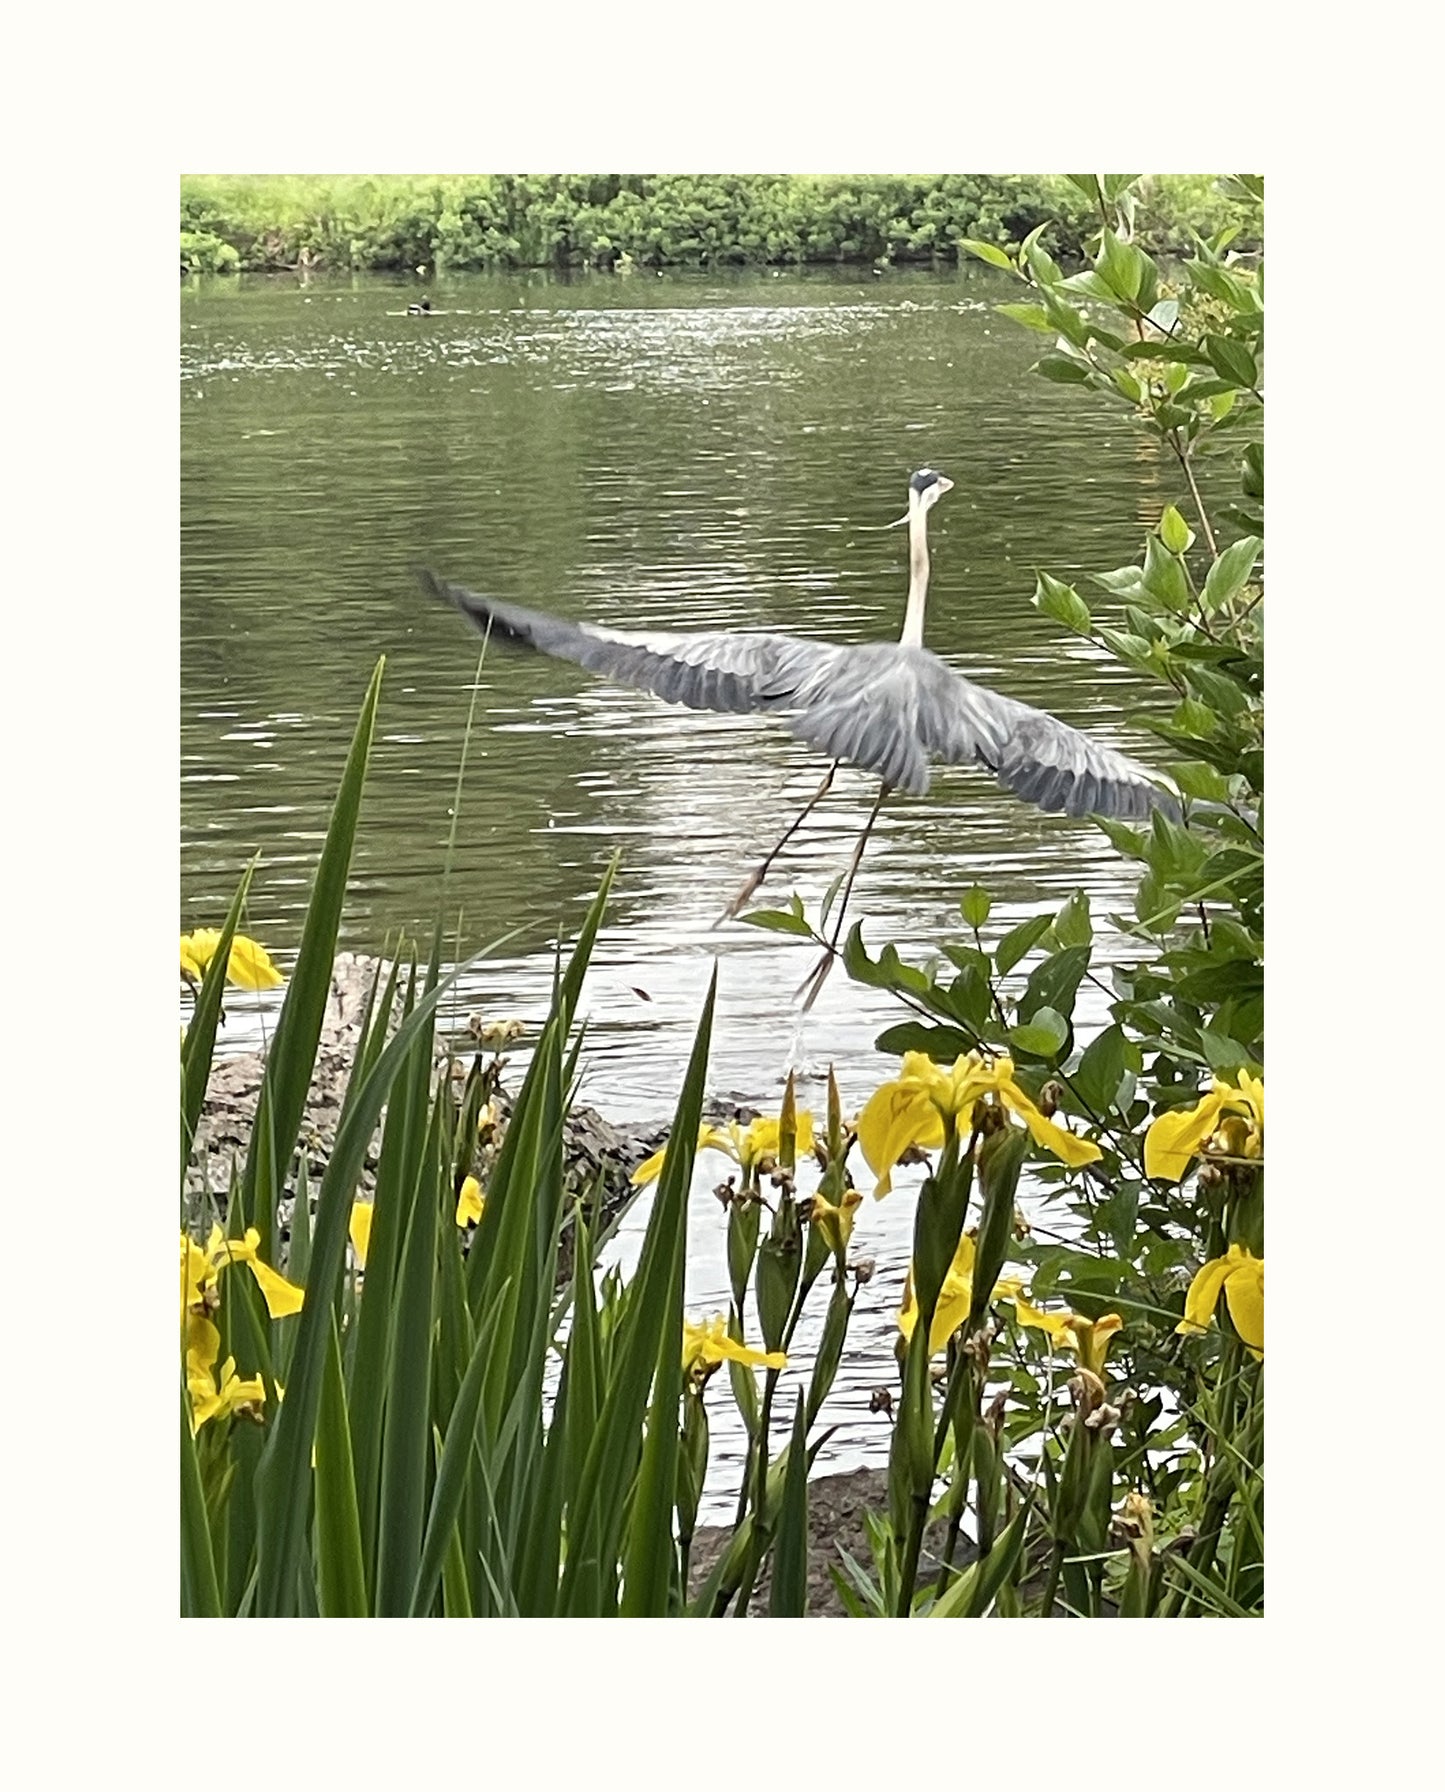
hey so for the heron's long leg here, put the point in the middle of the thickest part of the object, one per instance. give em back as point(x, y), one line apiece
point(734, 908)
point(816, 978)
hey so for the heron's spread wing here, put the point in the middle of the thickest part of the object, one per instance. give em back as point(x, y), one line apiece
point(829, 695)
point(881, 706)
point(1035, 755)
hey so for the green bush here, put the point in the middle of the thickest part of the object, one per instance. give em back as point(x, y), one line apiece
point(579, 220)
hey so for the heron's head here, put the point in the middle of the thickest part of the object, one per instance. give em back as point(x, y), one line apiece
point(925, 488)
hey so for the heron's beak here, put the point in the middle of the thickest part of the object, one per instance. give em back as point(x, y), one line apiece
point(944, 485)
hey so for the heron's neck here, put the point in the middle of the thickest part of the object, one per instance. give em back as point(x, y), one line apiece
point(912, 635)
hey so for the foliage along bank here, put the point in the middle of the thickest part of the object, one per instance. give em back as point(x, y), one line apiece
point(266, 223)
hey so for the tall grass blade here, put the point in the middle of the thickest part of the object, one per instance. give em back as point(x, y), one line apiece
point(340, 1569)
point(788, 1595)
point(289, 1062)
point(408, 1395)
point(650, 1560)
point(200, 1591)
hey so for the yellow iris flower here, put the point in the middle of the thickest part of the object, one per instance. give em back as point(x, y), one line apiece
point(745, 1145)
point(471, 1203)
point(201, 1270)
point(925, 1097)
point(1240, 1278)
point(1180, 1135)
point(212, 1394)
point(707, 1345)
point(835, 1223)
point(359, 1226)
point(1089, 1339)
point(249, 964)
point(955, 1298)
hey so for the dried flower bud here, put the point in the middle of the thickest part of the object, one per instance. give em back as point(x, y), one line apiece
point(1051, 1098)
point(863, 1269)
point(725, 1192)
point(1021, 1226)
point(988, 1117)
point(1103, 1419)
point(993, 1416)
point(881, 1400)
point(1088, 1391)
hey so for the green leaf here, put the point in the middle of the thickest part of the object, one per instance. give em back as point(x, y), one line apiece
point(1055, 983)
point(200, 1590)
point(1126, 582)
point(942, 1044)
point(1191, 717)
point(1165, 577)
point(1128, 841)
point(1063, 370)
point(830, 1349)
point(650, 1566)
point(407, 1426)
point(1222, 1054)
point(341, 1573)
point(1230, 572)
point(975, 906)
point(1101, 1069)
point(1201, 781)
point(989, 252)
point(1019, 941)
point(1063, 604)
point(788, 1597)
point(1032, 317)
point(1219, 284)
point(287, 1076)
point(1127, 384)
point(887, 971)
point(1044, 1035)
point(1174, 532)
point(1072, 925)
point(1043, 267)
point(777, 920)
point(1232, 360)
point(1121, 267)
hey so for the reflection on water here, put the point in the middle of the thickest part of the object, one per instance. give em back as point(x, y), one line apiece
point(644, 452)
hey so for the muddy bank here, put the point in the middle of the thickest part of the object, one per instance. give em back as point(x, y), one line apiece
point(598, 1155)
point(836, 1505)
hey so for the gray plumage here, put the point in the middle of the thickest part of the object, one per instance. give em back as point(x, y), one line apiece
point(889, 707)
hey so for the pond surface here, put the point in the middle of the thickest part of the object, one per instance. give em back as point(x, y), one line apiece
point(640, 451)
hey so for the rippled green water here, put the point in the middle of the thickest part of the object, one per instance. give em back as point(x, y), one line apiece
point(674, 452)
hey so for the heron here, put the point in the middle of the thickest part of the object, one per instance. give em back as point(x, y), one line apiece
point(887, 707)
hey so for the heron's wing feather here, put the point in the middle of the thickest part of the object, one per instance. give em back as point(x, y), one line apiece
point(1033, 754)
point(721, 669)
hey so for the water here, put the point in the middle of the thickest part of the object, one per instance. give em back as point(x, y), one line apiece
point(639, 451)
